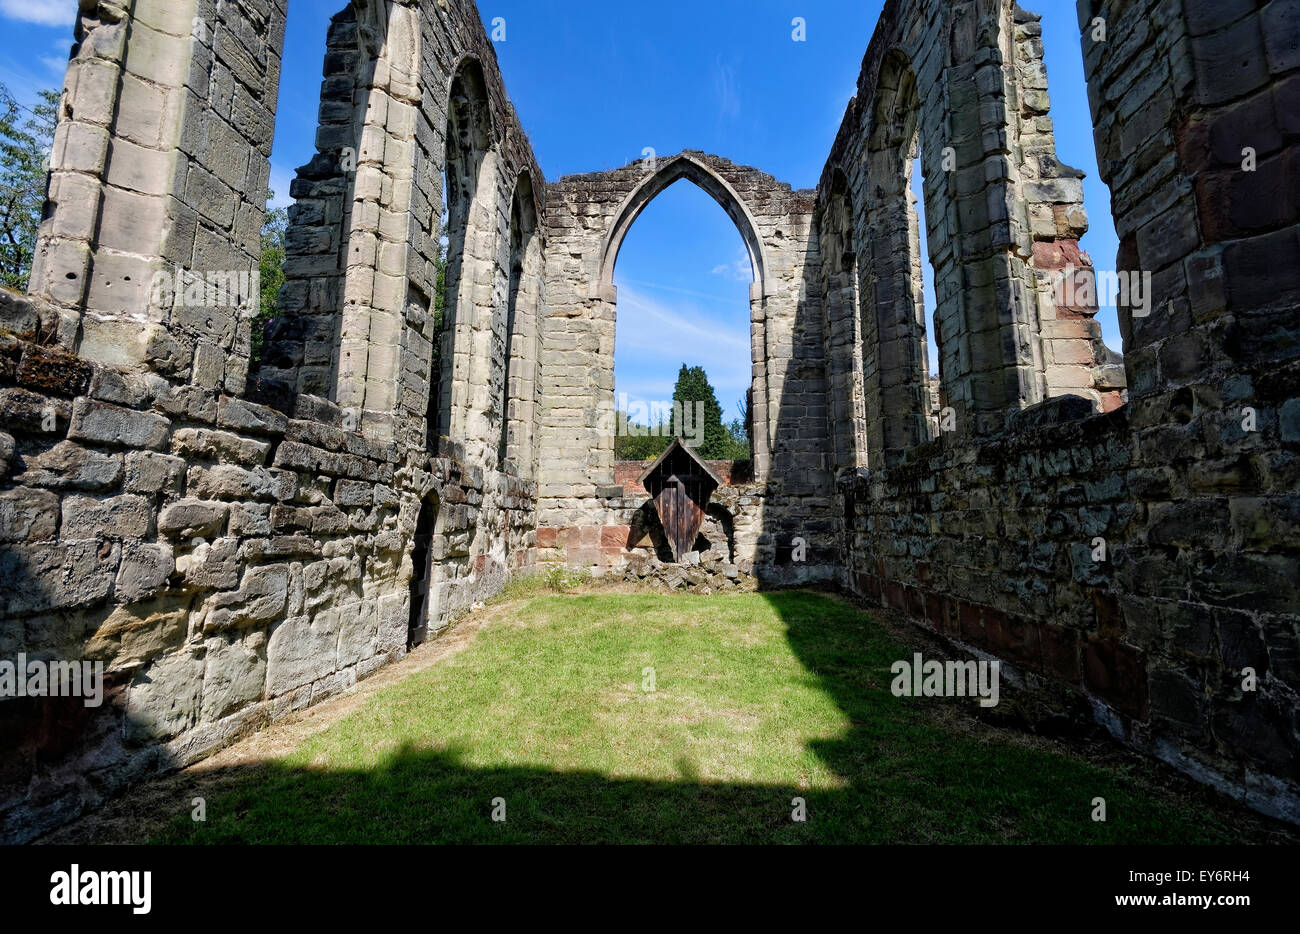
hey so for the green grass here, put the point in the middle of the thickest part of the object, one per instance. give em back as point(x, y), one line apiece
point(759, 698)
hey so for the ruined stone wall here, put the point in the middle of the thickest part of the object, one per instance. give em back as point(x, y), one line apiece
point(235, 552)
point(237, 541)
point(1145, 557)
point(588, 216)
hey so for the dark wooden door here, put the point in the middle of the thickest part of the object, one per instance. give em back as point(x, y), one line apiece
point(680, 513)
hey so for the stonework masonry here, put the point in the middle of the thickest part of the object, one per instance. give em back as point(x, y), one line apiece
point(237, 537)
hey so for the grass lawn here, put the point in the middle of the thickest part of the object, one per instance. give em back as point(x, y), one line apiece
point(759, 698)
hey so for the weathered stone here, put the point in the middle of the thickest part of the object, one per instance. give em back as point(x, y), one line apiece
point(111, 424)
point(143, 572)
point(234, 673)
point(28, 515)
point(148, 472)
point(52, 577)
point(125, 517)
point(69, 466)
point(51, 371)
point(191, 518)
point(261, 598)
point(301, 650)
point(202, 444)
point(164, 698)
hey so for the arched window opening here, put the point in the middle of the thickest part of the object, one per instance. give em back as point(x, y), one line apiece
point(519, 335)
point(893, 314)
point(683, 357)
point(837, 242)
point(469, 140)
point(1083, 337)
point(923, 272)
point(295, 337)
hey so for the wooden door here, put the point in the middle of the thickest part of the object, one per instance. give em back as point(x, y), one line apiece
point(680, 513)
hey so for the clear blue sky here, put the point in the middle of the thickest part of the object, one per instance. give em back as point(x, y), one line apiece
point(596, 82)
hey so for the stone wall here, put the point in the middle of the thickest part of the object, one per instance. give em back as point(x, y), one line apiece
point(235, 539)
point(1147, 557)
point(588, 216)
point(235, 549)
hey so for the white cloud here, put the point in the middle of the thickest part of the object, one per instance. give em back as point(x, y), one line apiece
point(57, 62)
point(654, 338)
point(724, 85)
point(42, 12)
point(738, 271)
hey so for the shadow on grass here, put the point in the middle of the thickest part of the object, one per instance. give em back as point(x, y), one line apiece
point(906, 777)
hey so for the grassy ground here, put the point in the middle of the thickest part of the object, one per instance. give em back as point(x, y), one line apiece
point(759, 698)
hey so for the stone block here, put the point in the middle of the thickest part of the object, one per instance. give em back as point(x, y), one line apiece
point(28, 515)
point(111, 424)
point(301, 650)
point(192, 518)
point(144, 571)
point(118, 517)
point(163, 701)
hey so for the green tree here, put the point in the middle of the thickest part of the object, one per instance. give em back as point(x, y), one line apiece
point(270, 271)
point(693, 386)
point(24, 167)
point(647, 443)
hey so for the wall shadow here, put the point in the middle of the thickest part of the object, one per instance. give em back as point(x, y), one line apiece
point(903, 775)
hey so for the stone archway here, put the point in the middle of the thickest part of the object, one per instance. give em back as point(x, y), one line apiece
point(668, 173)
point(664, 174)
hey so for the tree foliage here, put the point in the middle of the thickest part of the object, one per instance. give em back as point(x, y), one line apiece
point(270, 271)
point(26, 137)
point(639, 442)
point(692, 387)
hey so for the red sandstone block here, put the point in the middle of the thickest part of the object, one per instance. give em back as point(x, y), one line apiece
point(615, 536)
point(1116, 673)
point(972, 629)
point(995, 631)
point(915, 602)
point(547, 537)
point(1060, 652)
point(936, 611)
point(894, 597)
point(1022, 637)
point(1110, 618)
point(1110, 401)
point(589, 536)
point(1048, 255)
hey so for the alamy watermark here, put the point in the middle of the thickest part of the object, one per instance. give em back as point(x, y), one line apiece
point(1086, 287)
point(920, 678)
point(77, 886)
point(639, 418)
point(39, 678)
point(227, 288)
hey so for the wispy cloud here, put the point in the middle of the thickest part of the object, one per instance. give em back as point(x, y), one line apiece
point(42, 12)
point(739, 270)
point(57, 61)
point(654, 338)
point(724, 85)
point(655, 287)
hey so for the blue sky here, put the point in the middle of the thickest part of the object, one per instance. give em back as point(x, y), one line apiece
point(596, 82)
